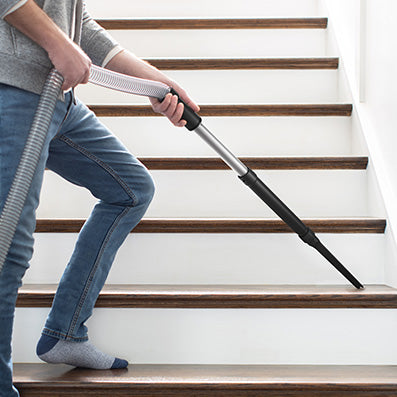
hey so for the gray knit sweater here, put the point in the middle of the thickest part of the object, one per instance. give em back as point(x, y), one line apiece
point(24, 64)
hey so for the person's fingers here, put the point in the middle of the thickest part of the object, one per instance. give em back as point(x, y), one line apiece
point(66, 85)
point(161, 107)
point(193, 105)
point(185, 97)
point(72, 63)
point(169, 112)
point(172, 109)
point(176, 117)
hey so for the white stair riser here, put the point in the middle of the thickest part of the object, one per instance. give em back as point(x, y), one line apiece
point(183, 193)
point(220, 259)
point(204, 8)
point(237, 87)
point(230, 336)
point(223, 43)
point(244, 136)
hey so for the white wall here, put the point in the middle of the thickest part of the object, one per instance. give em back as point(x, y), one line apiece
point(344, 23)
point(366, 37)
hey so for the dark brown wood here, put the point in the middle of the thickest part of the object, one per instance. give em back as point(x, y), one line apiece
point(244, 63)
point(225, 296)
point(161, 225)
point(214, 23)
point(154, 380)
point(259, 163)
point(231, 110)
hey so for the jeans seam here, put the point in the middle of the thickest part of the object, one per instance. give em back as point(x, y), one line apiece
point(105, 166)
point(68, 111)
point(94, 269)
point(57, 334)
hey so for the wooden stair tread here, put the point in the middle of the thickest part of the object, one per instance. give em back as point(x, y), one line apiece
point(167, 380)
point(213, 23)
point(212, 225)
point(258, 163)
point(243, 63)
point(224, 296)
point(263, 163)
point(232, 110)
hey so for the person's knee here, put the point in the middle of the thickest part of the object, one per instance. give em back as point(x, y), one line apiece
point(146, 191)
point(139, 191)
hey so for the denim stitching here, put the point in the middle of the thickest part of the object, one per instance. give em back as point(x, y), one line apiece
point(94, 269)
point(68, 111)
point(58, 334)
point(105, 166)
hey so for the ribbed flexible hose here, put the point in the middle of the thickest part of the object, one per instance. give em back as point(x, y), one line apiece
point(131, 85)
point(20, 186)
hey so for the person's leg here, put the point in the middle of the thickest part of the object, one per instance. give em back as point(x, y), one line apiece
point(87, 154)
point(17, 108)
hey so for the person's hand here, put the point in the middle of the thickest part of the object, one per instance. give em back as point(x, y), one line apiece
point(67, 57)
point(170, 108)
point(71, 62)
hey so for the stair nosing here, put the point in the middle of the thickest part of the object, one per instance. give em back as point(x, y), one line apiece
point(224, 296)
point(229, 225)
point(212, 379)
point(297, 110)
point(259, 163)
point(320, 63)
point(213, 23)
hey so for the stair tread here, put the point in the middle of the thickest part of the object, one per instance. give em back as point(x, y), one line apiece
point(307, 110)
point(176, 379)
point(220, 225)
point(258, 163)
point(214, 23)
point(214, 163)
point(243, 63)
point(224, 296)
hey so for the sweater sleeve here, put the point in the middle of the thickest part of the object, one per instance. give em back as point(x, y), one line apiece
point(96, 42)
point(9, 6)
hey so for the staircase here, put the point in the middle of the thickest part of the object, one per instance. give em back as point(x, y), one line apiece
point(212, 295)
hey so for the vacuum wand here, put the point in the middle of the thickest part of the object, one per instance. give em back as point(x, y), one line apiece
point(194, 123)
point(133, 85)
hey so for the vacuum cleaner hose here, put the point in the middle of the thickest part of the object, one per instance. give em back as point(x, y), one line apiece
point(30, 158)
point(124, 83)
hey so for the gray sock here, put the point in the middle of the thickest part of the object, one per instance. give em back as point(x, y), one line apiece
point(78, 354)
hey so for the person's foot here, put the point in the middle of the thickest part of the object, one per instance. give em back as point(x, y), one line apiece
point(78, 354)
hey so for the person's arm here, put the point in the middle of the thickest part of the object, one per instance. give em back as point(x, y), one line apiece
point(106, 52)
point(127, 63)
point(67, 57)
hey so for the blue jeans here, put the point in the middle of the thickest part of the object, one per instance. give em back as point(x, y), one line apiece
point(83, 151)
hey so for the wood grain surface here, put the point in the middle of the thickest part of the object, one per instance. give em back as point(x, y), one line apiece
point(225, 296)
point(153, 380)
point(258, 163)
point(303, 110)
point(243, 63)
point(200, 225)
point(213, 23)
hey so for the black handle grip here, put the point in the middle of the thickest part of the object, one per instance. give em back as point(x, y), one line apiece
point(192, 119)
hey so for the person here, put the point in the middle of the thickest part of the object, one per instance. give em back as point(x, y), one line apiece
point(34, 37)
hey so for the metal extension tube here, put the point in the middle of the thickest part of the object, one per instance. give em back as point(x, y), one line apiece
point(132, 85)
